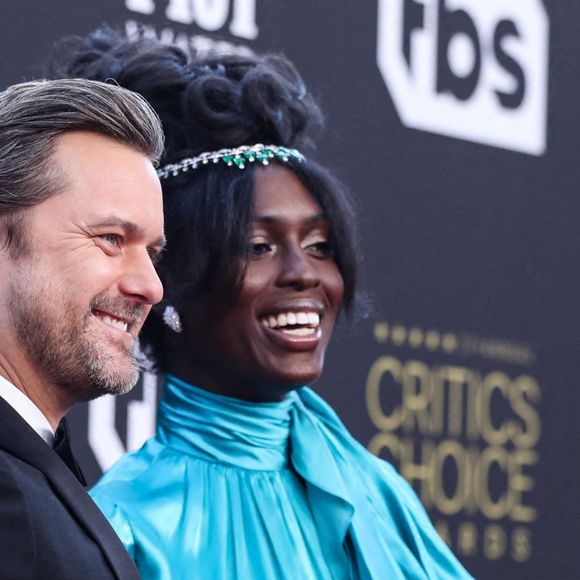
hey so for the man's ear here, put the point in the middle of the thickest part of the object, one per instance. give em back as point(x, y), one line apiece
point(4, 234)
point(14, 240)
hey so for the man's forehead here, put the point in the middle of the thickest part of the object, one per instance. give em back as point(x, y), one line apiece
point(96, 157)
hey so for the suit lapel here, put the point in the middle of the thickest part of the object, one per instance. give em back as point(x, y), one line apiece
point(20, 440)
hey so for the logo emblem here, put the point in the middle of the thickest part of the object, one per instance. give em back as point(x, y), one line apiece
point(474, 70)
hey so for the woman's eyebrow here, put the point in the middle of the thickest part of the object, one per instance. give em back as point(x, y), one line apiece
point(319, 217)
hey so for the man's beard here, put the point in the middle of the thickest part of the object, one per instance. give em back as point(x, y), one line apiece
point(66, 346)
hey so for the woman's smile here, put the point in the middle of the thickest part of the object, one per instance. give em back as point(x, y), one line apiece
point(275, 333)
point(295, 326)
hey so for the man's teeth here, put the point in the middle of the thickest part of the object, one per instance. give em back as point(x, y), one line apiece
point(307, 321)
point(114, 322)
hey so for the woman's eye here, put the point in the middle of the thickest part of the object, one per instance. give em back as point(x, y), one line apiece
point(260, 248)
point(320, 249)
point(154, 256)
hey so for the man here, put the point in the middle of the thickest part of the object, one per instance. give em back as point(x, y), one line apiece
point(80, 228)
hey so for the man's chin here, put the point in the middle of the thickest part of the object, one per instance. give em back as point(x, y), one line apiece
point(110, 379)
point(100, 388)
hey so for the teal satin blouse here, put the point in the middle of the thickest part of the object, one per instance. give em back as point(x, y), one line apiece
point(228, 489)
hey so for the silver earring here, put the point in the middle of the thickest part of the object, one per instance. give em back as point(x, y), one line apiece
point(172, 319)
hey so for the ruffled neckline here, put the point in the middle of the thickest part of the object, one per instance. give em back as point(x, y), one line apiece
point(224, 429)
point(368, 522)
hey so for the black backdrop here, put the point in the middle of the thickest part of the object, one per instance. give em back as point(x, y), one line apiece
point(456, 125)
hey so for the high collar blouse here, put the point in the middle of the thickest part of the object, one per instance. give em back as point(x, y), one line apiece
point(234, 490)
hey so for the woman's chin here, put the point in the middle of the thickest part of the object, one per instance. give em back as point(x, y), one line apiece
point(275, 388)
point(294, 380)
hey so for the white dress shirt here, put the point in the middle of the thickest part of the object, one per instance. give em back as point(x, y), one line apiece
point(26, 409)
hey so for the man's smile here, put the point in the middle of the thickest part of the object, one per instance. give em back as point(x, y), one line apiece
point(113, 321)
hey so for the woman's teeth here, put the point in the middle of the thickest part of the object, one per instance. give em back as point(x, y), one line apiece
point(308, 321)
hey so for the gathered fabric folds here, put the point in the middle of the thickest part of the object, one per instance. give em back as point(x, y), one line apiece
point(230, 489)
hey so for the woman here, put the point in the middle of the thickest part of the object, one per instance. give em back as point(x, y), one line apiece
point(250, 474)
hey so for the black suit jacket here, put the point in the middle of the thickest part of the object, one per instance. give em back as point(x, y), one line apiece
point(49, 526)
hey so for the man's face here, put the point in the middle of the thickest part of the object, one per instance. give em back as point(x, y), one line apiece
point(74, 301)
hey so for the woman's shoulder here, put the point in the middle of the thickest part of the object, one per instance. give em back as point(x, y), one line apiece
point(129, 479)
point(125, 489)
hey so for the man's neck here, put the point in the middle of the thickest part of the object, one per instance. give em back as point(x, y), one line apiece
point(26, 408)
point(47, 397)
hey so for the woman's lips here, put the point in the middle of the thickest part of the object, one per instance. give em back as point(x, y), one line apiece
point(294, 329)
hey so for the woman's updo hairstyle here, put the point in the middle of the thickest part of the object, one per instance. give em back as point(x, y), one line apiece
point(206, 104)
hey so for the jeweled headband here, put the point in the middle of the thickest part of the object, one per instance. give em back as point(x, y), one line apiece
point(239, 157)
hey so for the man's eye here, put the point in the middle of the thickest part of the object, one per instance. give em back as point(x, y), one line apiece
point(112, 239)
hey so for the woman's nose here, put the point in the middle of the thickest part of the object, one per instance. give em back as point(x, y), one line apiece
point(298, 269)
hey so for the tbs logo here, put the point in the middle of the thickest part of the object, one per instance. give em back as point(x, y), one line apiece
point(471, 69)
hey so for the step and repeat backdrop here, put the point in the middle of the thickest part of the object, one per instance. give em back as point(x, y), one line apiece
point(456, 124)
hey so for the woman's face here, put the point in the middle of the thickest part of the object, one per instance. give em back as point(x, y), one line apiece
point(274, 336)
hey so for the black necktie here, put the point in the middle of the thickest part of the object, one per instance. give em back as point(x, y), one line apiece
point(64, 451)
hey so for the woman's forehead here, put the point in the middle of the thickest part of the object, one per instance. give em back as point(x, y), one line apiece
point(279, 193)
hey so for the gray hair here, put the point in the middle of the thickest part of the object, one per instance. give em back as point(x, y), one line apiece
point(34, 114)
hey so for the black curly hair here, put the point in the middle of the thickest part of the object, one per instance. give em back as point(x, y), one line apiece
point(207, 104)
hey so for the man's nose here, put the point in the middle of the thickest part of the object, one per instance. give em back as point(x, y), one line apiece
point(141, 281)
